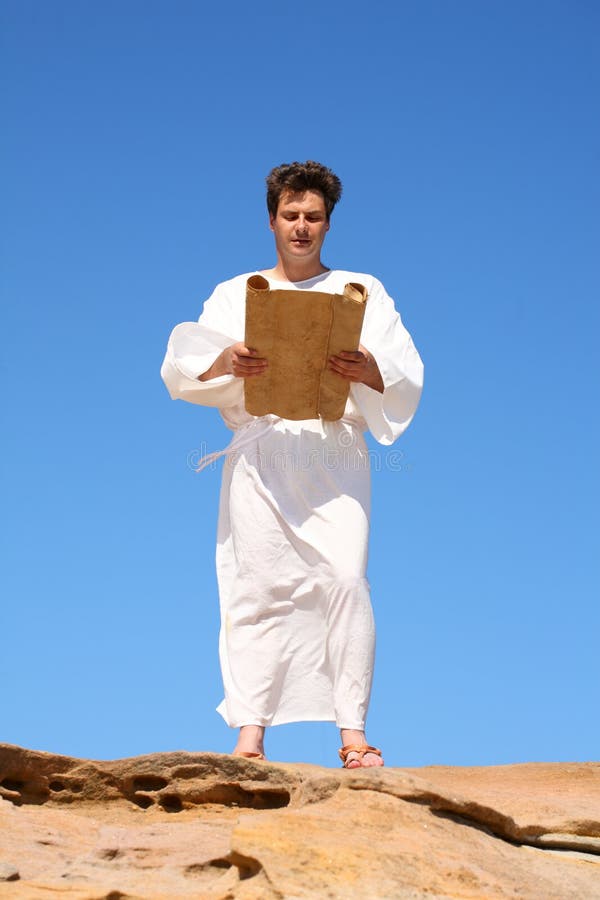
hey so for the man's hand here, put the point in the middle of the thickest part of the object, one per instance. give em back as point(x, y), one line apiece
point(242, 361)
point(358, 365)
point(237, 360)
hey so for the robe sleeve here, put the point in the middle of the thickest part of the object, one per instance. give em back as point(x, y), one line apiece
point(192, 349)
point(389, 414)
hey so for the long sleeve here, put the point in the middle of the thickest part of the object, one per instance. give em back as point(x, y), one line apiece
point(192, 349)
point(389, 414)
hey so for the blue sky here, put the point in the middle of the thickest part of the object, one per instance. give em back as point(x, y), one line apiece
point(137, 139)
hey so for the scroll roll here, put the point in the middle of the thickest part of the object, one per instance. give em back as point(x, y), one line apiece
point(297, 331)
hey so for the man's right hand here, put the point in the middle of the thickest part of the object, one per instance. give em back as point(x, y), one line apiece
point(242, 361)
point(238, 360)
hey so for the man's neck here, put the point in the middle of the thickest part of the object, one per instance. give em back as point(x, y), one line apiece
point(288, 271)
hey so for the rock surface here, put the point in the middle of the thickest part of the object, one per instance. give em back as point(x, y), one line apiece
point(170, 826)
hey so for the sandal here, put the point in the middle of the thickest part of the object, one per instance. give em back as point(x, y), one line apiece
point(247, 754)
point(360, 749)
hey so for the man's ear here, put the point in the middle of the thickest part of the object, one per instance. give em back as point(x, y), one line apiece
point(271, 220)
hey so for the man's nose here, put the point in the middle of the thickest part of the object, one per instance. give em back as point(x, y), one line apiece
point(301, 225)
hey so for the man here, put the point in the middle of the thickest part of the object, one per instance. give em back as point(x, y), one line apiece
point(297, 635)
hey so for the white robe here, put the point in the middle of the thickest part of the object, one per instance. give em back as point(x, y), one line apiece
point(297, 634)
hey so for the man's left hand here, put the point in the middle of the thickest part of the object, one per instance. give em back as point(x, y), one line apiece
point(357, 365)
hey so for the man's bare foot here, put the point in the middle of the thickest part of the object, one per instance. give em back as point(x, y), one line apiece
point(353, 760)
point(250, 740)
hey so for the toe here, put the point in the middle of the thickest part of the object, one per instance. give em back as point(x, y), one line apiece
point(353, 761)
point(371, 760)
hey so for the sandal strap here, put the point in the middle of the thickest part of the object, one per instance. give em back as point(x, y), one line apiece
point(361, 749)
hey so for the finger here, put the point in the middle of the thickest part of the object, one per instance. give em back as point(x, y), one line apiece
point(351, 373)
point(246, 373)
point(347, 365)
point(345, 376)
point(249, 368)
point(351, 354)
point(251, 373)
point(243, 360)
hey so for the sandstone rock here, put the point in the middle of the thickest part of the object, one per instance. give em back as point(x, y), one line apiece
point(202, 825)
point(8, 872)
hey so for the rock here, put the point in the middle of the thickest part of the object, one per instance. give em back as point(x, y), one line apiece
point(8, 872)
point(199, 825)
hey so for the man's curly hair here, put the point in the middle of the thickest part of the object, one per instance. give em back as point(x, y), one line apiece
point(299, 177)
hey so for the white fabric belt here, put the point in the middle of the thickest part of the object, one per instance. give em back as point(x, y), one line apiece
point(249, 432)
point(243, 436)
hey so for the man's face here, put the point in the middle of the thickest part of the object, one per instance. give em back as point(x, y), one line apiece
point(300, 226)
